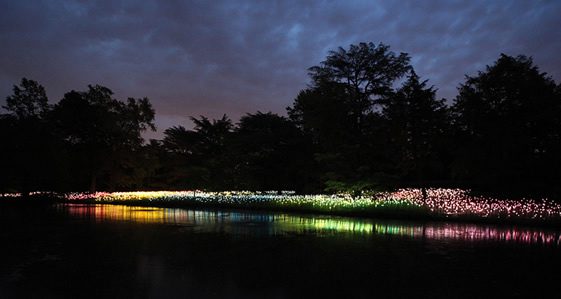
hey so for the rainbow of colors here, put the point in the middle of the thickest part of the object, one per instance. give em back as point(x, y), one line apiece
point(443, 202)
point(450, 202)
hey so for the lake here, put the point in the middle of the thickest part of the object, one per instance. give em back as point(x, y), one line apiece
point(76, 250)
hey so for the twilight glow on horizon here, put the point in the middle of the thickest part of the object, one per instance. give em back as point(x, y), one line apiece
point(213, 57)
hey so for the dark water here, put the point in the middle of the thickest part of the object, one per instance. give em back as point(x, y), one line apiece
point(78, 251)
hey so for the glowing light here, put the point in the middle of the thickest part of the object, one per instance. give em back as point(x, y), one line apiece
point(441, 202)
point(451, 202)
point(460, 202)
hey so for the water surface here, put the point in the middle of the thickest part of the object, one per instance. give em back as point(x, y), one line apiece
point(118, 251)
point(272, 224)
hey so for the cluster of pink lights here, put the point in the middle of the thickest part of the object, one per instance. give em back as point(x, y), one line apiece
point(460, 202)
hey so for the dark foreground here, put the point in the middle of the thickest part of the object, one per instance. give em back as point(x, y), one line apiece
point(114, 251)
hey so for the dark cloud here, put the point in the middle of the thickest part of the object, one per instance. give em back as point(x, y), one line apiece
point(211, 58)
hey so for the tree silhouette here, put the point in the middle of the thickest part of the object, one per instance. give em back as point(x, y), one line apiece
point(101, 132)
point(26, 137)
point(338, 110)
point(196, 157)
point(28, 101)
point(270, 153)
point(366, 71)
point(416, 127)
point(509, 121)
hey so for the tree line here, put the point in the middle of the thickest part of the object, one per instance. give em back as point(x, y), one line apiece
point(366, 121)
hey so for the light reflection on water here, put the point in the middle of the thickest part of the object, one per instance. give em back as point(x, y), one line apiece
point(278, 224)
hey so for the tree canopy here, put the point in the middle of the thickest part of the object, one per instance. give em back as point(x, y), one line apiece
point(101, 132)
point(508, 119)
point(338, 110)
point(29, 100)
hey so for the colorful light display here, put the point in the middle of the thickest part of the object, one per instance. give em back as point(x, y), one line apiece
point(319, 203)
point(440, 202)
point(449, 202)
point(460, 202)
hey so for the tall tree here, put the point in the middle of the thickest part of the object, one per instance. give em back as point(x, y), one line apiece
point(102, 132)
point(26, 137)
point(338, 109)
point(367, 71)
point(509, 123)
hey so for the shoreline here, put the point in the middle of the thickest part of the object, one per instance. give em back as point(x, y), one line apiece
point(417, 215)
point(394, 208)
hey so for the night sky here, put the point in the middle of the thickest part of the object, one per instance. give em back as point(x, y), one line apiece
point(233, 57)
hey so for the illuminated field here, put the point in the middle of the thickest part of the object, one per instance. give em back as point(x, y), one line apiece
point(459, 202)
point(448, 203)
point(440, 202)
point(265, 200)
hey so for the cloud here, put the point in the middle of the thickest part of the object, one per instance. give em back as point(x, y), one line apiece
point(216, 57)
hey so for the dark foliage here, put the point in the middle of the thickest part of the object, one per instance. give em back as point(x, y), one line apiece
point(416, 128)
point(27, 141)
point(270, 153)
point(508, 121)
point(339, 112)
point(197, 158)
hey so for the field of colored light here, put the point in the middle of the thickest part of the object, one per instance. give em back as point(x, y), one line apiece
point(442, 202)
point(263, 200)
point(403, 202)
